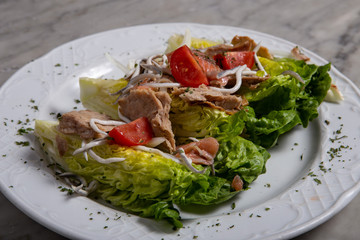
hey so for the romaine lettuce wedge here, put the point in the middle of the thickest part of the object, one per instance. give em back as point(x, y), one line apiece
point(96, 94)
point(146, 183)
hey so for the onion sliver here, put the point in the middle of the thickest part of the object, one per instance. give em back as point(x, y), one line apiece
point(157, 151)
point(133, 82)
point(188, 162)
point(104, 160)
point(122, 117)
point(294, 74)
point(162, 85)
point(237, 85)
point(225, 73)
point(90, 145)
point(116, 63)
point(258, 63)
point(187, 38)
point(257, 47)
point(93, 122)
point(155, 141)
point(193, 139)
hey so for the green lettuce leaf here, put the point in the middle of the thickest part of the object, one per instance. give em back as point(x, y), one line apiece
point(277, 66)
point(95, 94)
point(145, 183)
point(282, 102)
point(238, 156)
point(265, 130)
point(201, 121)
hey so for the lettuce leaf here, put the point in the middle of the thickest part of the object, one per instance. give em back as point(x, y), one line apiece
point(265, 130)
point(202, 121)
point(195, 120)
point(238, 156)
point(282, 102)
point(95, 94)
point(145, 183)
point(275, 67)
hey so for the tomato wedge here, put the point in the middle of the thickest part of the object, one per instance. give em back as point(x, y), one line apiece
point(230, 60)
point(206, 63)
point(185, 69)
point(237, 183)
point(137, 132)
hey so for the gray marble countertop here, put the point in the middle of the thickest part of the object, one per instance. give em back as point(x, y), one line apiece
point(29, 29)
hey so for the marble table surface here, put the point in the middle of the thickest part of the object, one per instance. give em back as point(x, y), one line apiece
point(29, 29)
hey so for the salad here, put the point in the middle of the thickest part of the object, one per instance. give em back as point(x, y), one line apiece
point(192, 125)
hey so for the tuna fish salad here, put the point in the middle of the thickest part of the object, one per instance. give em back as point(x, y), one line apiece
point(191, 125)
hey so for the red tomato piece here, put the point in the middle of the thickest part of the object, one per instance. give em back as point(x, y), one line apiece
point(206, 63)
point(137, 132)
point(185, 69)
point(237, 183)
point(230, 60)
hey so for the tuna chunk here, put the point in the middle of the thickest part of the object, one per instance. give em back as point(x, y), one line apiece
point(210, 97)
point(222, 48)
point(78, 122)
point(61, 144)
point(238, 43)
point(202, 152)
point(237, 183)
point(155, 106)
point(298, 55)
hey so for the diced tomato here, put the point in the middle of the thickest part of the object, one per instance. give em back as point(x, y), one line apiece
point(229, 60)
point(237, 183)
point(185, 69)
point(137, 132)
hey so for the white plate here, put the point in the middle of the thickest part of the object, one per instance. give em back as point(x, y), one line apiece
point(286, 201)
